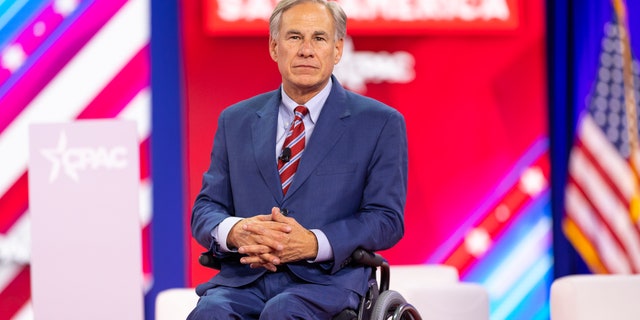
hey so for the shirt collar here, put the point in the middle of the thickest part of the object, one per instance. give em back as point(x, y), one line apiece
point(314, 105)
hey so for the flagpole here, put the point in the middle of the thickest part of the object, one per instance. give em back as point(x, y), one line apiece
point(630, 104)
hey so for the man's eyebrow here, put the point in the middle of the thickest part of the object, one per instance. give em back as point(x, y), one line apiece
point(293, 31)
point(316, 33)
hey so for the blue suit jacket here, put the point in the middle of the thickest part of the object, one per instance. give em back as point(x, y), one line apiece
point(351, 182)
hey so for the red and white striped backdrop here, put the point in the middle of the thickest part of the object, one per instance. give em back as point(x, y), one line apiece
point(63, 60)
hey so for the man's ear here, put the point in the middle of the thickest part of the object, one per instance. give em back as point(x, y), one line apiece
point(339, 47)
point(273, 44)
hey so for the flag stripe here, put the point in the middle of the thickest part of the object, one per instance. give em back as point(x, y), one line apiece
point(598, 237)
point(602, 151)
point(611, 209)
point(599, 228)
point(599, 177)
point(601, 171)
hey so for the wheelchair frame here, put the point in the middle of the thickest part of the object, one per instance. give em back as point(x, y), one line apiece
point(378, 303)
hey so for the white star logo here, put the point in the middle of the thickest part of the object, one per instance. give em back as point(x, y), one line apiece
point(56, 156)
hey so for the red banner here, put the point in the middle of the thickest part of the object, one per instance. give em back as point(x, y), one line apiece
point(374, 17)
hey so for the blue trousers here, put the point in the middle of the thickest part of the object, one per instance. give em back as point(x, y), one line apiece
point(275, 296)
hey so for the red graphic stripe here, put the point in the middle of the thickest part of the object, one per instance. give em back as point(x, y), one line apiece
point(16, 294)
point(14, 203)
point(515, 199)
point(115, 96)
point(145, 159)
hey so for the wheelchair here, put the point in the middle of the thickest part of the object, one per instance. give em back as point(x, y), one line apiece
point(378, 303)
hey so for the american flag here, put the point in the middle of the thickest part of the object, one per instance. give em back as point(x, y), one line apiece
point(601, 181)
point(63, 60)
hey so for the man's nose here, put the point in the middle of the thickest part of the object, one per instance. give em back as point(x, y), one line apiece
point(306, 49)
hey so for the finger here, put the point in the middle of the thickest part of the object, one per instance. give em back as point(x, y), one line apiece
point(256, 249)
point(269, 235)
point(261, 227)
point(262, 259)
point(276, 213)
point(277, 216)
point(263, 217)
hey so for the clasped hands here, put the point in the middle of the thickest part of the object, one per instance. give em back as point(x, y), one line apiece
point(272, 239)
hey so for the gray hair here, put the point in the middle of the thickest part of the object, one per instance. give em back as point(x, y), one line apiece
point(339, 17)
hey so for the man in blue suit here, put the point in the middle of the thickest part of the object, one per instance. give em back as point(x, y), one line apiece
point(285, 242)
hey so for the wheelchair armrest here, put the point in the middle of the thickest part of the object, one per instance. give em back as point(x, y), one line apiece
point(367, 258)
point(374, 260)
point(359, 256)
point(207, 259)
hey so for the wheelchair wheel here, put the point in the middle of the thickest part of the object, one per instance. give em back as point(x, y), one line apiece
point(387, 304)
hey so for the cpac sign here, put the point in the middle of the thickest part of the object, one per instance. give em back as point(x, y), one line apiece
point(94, 166)
point(73, 160)
point(238, 17)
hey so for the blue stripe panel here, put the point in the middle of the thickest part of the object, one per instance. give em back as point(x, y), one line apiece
point(530, 294)
point(167, 154)
point(534, 305)
point(14, 15)
point(534, 283)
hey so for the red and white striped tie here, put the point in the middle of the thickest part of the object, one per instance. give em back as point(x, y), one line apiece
point(294, 143)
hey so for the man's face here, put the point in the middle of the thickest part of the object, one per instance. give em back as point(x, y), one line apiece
point(306, 50)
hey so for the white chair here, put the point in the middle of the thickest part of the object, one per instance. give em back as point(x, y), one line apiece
point(591, 297)
point(175, 304)
point(406, 275)
point(436, 292)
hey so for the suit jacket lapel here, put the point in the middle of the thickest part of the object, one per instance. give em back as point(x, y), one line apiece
point(330, 127)
point(264, 144)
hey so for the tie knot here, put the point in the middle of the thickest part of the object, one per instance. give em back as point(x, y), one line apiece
point(300, 111)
